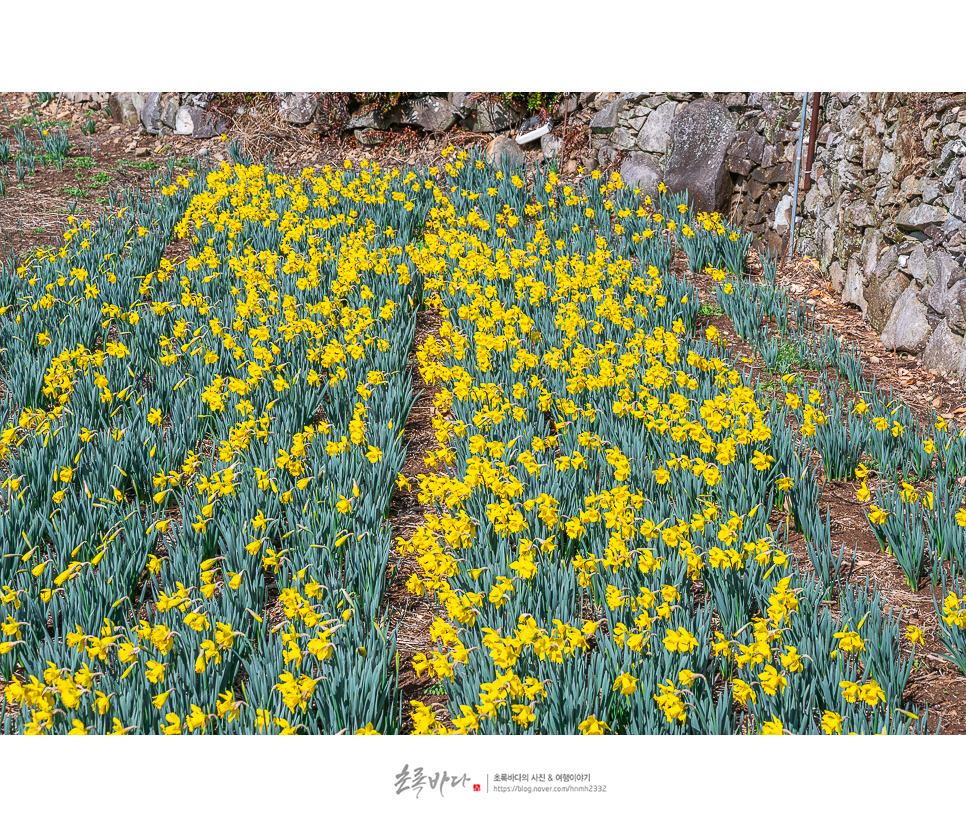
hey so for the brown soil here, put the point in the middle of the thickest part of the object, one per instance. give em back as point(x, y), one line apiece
point(934, 682)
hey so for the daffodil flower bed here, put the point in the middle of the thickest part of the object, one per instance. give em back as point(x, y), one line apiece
point(597, 530)
point(187, 445)
point(190, 447)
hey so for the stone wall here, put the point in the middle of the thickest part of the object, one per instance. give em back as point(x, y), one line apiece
point(884, 215)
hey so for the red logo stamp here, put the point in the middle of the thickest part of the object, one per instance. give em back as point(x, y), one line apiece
point(476, 787)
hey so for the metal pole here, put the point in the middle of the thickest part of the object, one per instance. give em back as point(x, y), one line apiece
point(798, 168)
point(812, 134)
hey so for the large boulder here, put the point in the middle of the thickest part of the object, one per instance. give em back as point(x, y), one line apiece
point(550, 145)
point(854, 290)
point(169, 110)
point(639, 170)
point(908, 328)
point(503, 153)
point(492, 117)
point(882, 295)
point(297, 108)
point(198, 123)
point(429, 112)
point(124, 107)
point(700, 136)
point(151, 113)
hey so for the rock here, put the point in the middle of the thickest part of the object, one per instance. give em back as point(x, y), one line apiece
point(956, 309)
point(782, 172)
point(630, 100)
point(201, 100)
point(633, 123)
point(550, 146)
point(169, 110)
point(607, 156)
point(813, 202)
point(461, 101)
point(151, 113)
point(429, 112)
point(566, 107)
point(950, 155)
point(836, 277)
point(882, 296)
point(492, 117)
point(369, 117)
point(942, 274)
point(606, 120)
point(601, 100)
point(369, 137)
point(183, 123)
point(503, 153)
point(943, 351)
point(122, 108)
point(198, 123)
point(860, 215)
point(887, 163)
point(700, 136)
point(956, 202)
point(908, 328)
point(622, 139)
point(871, 152)
point(78, 98)
point(783, 215)
point(654, 136)
point(142, 152)
point(297, 108)
point(641, 171)
point(920, 217)
point(917, 265)
point(742, 167)
point(931, 189)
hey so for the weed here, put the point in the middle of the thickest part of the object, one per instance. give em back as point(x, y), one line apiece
point(143, 164)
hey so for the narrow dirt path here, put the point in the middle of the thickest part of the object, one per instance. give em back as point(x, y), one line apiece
point(413, 615)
